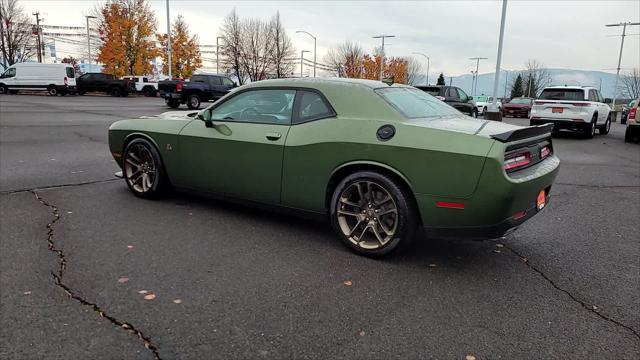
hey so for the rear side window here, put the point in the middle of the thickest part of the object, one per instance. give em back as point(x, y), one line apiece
point(432, 90)
point(562, 94)
point(216, 80)
point(453, 93)
point(311, 106)
point(197, 78)
point(227, 82)
point(413, 103)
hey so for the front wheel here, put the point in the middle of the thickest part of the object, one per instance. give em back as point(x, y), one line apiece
point(589, 130)
point(143, 170)
point(604, 129)
point(174, 104)
point(372, 214)
point(193, 102)
point(4, 89)
point(474, 113)
point(115, 91)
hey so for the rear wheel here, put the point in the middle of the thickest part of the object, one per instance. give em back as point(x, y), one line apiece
point(193, 102)
point(174, 104)
point(52, 90)
point(142, 169)
point(589, 130)
point(372, 214)
point(474, 113)
point(149, 91)
point(604, 129)
point(115, 91)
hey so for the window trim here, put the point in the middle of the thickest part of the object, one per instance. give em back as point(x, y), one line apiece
point(295, 119)
point(294, 114)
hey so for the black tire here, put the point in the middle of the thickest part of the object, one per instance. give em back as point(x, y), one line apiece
point(604, 129)
point(53, 90)
point(4, 89)
point(149, 91)
point(623, 120)
point(141, 151)
point(474, 113)
point(193, 102)
point(403, 223)
point(81, 93)
point(629, 135)
point(590, 129)
point(115, 91)
point(174, 104)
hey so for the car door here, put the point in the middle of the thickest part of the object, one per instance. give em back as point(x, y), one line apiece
point(603, 108)
point(466, 105)
point(240, 154)
point(85, 82)
point(215, 84)
point(453, 99)
point(9, 78)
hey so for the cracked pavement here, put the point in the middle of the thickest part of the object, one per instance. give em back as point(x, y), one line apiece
point(253, 284)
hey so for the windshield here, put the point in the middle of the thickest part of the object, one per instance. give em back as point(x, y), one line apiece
point(414, 103)
point(520, 101)
point(562, 94)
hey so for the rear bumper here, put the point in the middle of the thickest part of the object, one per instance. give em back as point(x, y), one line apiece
point(558, 124)
point(518, 111)
point(170, 95)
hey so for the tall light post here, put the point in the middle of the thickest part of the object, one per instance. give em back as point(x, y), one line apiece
point(496, 80)
point(314, 50)
point(218, 53)
point(89, 38)
point(428, 62)
point(302, 60)
point(169, 41)
point(382, 51)
point(475, 82)
point(624, 30)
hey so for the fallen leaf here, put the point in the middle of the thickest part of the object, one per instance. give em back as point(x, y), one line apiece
point(470, 357)
point(69, 212)
point(499, 245)
point(143, 292)
point(348, 282)
point(433, 265)
point(123, 280)
point(190, 213)
point(595, 307)
point(177, 301)
point(150, 296)
point(27, 292)
point(497, 251)
point(129, 247)
point(361, 333)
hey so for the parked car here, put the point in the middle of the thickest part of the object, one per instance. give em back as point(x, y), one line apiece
point(580, 108)
point(377, 160)
point(56, 79)
point(625, 112)
point(633, 122)
point(453, 96)
point(106, 83)
point(518, 107)
point(143, 85)
point(200, 88)
point(483, 102)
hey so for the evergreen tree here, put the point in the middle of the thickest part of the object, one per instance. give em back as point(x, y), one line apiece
point(441, 80)
point(516, 87)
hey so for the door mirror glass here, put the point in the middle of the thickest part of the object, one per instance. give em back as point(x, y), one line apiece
point(608, 101)
point(204, 115)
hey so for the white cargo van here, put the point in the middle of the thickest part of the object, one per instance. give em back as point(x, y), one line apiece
point(53, 78)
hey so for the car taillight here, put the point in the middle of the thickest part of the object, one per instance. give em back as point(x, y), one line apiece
point(66, 80)
point(179, 87)
point(515, 161)
point(544, 152)
point(632, 114)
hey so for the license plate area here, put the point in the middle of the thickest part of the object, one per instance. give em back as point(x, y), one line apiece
point(557, 110)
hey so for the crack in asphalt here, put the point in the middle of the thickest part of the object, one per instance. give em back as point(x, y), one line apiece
point(588, 307)
point(58, 280)
point(61, 186)
point(600, 186)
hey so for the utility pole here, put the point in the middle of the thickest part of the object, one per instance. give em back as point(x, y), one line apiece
point(218, 53)
point(89, 39)
point(494, 103)
point(477, 59)
point(314, 50)
point(428, 62)
point(37, 32)
point(302, 60)
point(169, 41)
point(506, 77)
point(382, 50)
point(624, 31)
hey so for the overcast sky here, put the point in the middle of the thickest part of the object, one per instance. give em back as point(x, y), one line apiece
point(560, 34)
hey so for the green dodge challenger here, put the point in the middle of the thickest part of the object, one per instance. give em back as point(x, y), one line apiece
point(379, 160)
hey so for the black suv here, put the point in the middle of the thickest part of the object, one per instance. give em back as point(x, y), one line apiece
point(453, 96)
point(200, 88)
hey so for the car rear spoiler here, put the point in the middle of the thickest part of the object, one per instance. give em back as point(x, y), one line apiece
point(519, 134)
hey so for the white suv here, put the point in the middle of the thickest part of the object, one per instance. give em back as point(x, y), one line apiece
point(580, 108)
point(483, 102)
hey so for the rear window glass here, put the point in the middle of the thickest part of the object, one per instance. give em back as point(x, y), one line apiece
point(433, 90)
point(481, 98)
point(562, 94)
point(70, 72)
point(520, 101)
point(413, 103)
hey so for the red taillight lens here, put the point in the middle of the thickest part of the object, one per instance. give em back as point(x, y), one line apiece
point(179, 87)
point(544, 152)
point(632, 114)
point(66, 80)
point(517, 161)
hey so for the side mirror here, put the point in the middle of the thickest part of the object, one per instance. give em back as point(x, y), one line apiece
point(235, 84)
point(205, 115)
point(608, 101)
point(469, 97)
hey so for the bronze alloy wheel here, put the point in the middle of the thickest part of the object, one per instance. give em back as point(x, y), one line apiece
point(367, 214)
point(140, 168)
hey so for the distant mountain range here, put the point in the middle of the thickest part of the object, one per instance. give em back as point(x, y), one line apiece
point(603, 80)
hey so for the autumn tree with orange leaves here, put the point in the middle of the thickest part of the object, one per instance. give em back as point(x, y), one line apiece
point(185, 52)
point(393, 67)
point(127, 29)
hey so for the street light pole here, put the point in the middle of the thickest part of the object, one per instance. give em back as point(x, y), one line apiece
point(475, 80)
point(624, 30)
point(314, 50)
point(494, 103)
point(89, 39)
point(218, 53)
point(302, 60)
point(169, 41)
point(382, 50)
point(428, 62)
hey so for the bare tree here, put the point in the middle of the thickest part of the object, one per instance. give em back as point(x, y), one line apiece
point(415, 71)
point(347, 58)
point(283, 50)
point(256, 48)
point(630, 84)
point(17, 43)
point(232, 47)
point(536, 77)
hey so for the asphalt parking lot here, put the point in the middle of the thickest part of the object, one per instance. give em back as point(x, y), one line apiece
point(190, 278)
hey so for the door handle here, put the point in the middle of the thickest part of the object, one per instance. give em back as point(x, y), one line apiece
point(273, 136)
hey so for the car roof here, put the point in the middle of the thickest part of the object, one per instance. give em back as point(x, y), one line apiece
point(574, 87)
point(314, 82)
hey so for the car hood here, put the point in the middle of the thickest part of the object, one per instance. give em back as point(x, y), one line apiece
point(464, 124)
